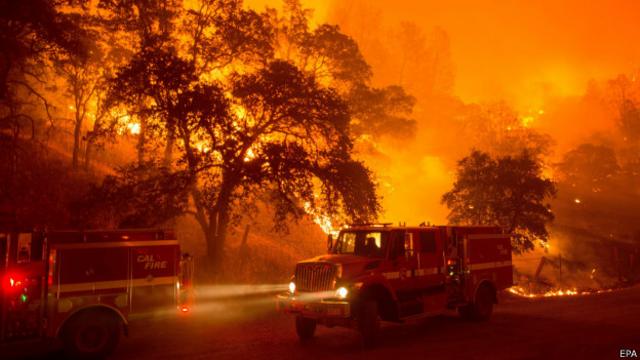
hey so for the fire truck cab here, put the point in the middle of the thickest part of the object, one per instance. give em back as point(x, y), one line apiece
point(82, 286)
point(394, 273)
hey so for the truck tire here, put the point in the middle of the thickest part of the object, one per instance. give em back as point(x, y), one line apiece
point(482, 306)
point(91, 335)
point(305, 328)
point(466, 312)
point(368, 322)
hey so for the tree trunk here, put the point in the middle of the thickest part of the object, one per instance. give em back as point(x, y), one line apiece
point(244, 248)
point(218, 224)
point(141, 141)
point(217, 236)
point(168, 149)
point(87, 153)
point(76, 140)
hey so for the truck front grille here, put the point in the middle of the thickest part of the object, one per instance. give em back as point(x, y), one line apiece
point(315, 276)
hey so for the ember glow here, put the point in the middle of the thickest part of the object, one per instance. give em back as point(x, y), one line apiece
point(134, 128)
point(520, 291)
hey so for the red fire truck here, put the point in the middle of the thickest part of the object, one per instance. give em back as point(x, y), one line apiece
point(393, 273)
point(81, 286)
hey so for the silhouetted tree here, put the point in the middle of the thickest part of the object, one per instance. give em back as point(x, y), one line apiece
point(148, 87)
point(335, 60)
point(85, 85)
point(222, 33)
point(29, 30)
point(506, 191)
point(280, 130)
point(589, 165)
point(276, 128)
point(629, 120)
point(499, 130)
point(146, 25)
point(381, 110)
point(139, 196)
point(146, 20)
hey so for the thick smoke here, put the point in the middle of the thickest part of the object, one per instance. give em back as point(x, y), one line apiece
point(480, 74)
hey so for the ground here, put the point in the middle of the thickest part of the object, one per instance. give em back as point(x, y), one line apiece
point(577, 327)
point(581, 327)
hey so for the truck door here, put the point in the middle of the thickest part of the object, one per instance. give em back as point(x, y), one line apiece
point(402, 271)
point(411, 255)
point(430, 271)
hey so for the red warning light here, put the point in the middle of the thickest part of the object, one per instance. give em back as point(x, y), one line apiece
point(11, 282)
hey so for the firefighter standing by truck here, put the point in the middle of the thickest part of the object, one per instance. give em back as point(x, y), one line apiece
point(80, 287)
point(395, 273)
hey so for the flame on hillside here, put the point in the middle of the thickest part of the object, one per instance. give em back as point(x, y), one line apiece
point(321, 220)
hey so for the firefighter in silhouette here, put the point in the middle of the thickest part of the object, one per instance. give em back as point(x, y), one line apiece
point(371, 247)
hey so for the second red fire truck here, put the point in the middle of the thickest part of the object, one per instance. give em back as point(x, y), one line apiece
point(393, 273)
point(82, 286)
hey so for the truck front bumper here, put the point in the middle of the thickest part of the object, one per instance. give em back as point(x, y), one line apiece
point(317, 309)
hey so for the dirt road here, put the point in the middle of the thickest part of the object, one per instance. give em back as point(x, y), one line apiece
point(578, 327)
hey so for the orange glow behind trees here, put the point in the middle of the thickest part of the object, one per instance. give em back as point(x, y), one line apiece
point(395, 92)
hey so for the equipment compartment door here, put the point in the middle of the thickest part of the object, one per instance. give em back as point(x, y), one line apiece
point(154, 277)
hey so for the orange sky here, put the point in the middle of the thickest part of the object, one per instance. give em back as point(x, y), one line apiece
point(521, 51)
point(524, 50)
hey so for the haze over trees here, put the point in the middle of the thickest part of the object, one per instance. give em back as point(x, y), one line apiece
point(137, 113)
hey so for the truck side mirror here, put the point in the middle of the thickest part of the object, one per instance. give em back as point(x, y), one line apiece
point(329, 243)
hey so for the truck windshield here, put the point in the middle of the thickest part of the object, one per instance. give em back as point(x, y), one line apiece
point(362, 243)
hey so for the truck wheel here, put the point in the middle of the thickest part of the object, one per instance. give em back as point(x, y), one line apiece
point(482, 306)
point(368, 322)
point(466, 312)
point(305, 327)
point(91, 335)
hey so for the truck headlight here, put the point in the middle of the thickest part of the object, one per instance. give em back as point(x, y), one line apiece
point(292, 288)
point(342, 292)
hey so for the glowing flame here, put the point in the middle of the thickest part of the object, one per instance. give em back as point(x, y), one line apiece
point(202, 147)
point(520, 291)
point(134, 128)
point(526, 121)
point(250, 155)
point(126, 123)
point(239, 111)
point(323, 221)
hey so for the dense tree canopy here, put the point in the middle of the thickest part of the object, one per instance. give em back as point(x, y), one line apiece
point(239, 120)
point(507, 191)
